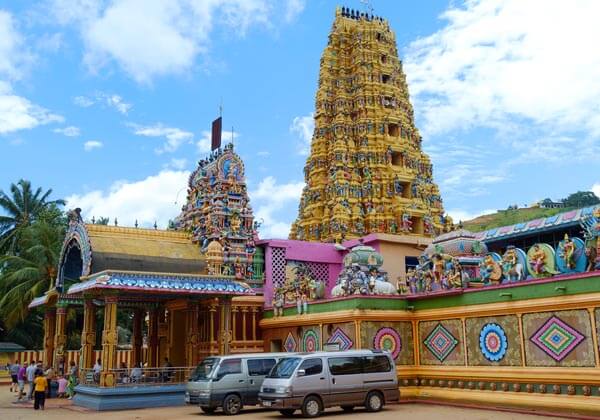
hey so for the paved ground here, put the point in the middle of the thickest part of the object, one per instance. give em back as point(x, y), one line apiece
point(63, 410)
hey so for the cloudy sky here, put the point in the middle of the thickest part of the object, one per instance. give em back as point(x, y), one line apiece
point(110, 102)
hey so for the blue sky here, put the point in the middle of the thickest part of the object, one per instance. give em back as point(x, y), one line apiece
point(110, 102)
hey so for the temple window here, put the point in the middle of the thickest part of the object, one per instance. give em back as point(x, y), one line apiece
point(383, 58)
point(393, 130)
point(396, 159)
point(385, 78)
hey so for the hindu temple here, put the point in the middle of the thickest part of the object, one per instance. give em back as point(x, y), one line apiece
point(508, 317)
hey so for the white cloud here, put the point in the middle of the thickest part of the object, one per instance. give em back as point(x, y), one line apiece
point(177, 164)
point(596, 189)
point(150, 38)
point(304, 127)
point(14, 52)
point(175, 137)
point(270, 198)
point(110, 100)
point(18, 113)
point(501, 60)
point(90, 145)
point(70, 131)
point(83, 101)
point(293, 8)
point(130, 201)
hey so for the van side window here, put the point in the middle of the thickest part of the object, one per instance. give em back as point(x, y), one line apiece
point(230, 366)
point(376, 364)
point(312, 366)
point(260, 367)
point(345, 365)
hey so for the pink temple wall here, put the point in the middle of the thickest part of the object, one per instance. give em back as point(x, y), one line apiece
point(301, 251)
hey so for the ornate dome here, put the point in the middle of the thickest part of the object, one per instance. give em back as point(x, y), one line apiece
point(364, 256)
point(457, 243)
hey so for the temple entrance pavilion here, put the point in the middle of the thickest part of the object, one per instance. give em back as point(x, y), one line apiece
point(115, 274)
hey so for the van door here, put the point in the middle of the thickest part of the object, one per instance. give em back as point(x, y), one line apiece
point(229, 378)
point(380, 374)
point(257, 370)
point(346, 383)
point(314, 380)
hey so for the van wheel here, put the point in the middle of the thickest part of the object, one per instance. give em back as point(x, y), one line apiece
point(347, 408)
point(311, 407)
point(288, 412)
point(232, 405)
point(374, 401)
point(208, 410)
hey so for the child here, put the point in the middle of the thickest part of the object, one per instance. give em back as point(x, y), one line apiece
point(62, 386)
point(39, 394)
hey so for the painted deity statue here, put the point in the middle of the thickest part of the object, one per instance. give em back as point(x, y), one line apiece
point(278, 302)
point(406, 223)
point(538, 260)
point(511, 267)
point(455, 277)
point(567, 252)
point(490, 270)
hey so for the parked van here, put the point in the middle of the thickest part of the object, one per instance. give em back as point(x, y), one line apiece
point(312, 382)
point(230, 382)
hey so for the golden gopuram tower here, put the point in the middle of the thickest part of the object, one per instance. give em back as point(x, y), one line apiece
point(366, 172)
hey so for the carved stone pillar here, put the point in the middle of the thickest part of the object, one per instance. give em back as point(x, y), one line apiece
point(235, 310)
point(244, 313)
point(224, 325)
point(60, 337)
point(49, 327)
point(153, 338)
point(192, 339)
point(109, 342)
point(136, 337)
point(254, 310)
point(88, 335)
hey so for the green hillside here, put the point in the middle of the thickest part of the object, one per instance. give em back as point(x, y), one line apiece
point(509, 217)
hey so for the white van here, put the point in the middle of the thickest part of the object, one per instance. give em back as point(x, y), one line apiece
point(312, 382)
point(230, 382)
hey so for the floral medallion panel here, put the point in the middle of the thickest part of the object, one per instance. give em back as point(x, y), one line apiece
point(395, 337)
point(342, 335)
point(493, 341)
point(441, 342)
point(558, 338)
point(310, 338)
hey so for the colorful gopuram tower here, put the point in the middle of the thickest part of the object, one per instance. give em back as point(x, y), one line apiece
point(220, 218)
point(366, 172)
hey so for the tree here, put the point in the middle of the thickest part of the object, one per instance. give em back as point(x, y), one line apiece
point(581, 199)
point(22, 207)
point(30, 273)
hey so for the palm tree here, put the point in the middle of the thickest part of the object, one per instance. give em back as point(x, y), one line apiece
point(22, 207)
point(30, 273)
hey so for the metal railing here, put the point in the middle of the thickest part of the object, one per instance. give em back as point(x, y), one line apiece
point(143, 376)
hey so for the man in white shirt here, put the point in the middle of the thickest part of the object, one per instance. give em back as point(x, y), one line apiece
point(30, 372)
point(97, 369)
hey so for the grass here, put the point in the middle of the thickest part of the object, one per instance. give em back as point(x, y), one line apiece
point(509, 217)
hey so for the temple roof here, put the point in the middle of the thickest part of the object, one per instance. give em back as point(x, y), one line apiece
point(558, 221)
point(121, 248)
point(160, 283)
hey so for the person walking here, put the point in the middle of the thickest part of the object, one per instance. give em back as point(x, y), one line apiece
point(41, 385)
point(72, 379)
point(21, 379)
point(97, 369)
point(13, 369)
point(30, 372)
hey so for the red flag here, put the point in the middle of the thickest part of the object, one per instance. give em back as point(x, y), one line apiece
point(216, 133)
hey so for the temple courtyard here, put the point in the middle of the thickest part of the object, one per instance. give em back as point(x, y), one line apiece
point(61, 409)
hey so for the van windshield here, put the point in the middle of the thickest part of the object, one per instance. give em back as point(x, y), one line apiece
point(204, 370)
point(285, 367)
